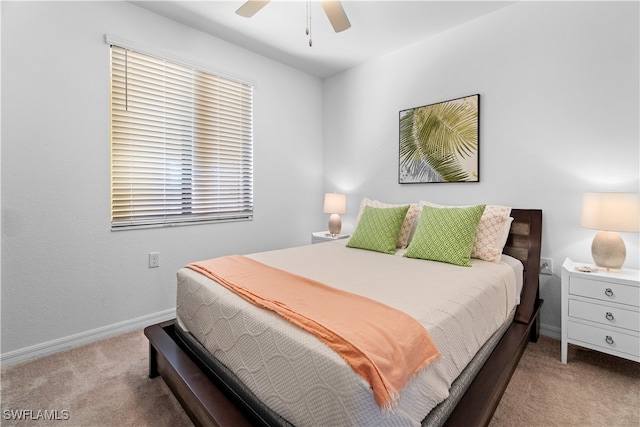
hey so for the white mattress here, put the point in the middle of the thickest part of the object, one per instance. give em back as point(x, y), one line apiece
point(306, 382)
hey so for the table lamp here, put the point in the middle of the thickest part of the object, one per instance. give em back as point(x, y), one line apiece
point(610, 213)
point(335, 204)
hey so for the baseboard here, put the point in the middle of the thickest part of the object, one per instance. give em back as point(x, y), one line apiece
point(50, 347)
point(550, 331)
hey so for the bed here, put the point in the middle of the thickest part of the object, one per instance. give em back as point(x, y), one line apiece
point(213, 394)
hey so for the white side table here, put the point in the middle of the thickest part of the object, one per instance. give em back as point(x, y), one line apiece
point(324, 236)
point(601, 311)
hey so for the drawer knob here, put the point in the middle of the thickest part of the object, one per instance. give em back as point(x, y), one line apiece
point(608, 292)
point(609, 340)
point(609, 316)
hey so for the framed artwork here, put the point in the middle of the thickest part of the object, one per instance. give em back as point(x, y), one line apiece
point(439, 142)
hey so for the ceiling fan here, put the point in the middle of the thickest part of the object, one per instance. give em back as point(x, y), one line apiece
point(333, 9)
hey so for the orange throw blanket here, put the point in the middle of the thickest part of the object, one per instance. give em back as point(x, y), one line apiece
point(383, 345)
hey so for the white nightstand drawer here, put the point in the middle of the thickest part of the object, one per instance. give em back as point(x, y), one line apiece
point(605, 291)
point(610, 316)
point(604, 338)
point(600, 311)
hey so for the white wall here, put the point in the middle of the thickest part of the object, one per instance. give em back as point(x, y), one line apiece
point(63, 271)
point(559, 108)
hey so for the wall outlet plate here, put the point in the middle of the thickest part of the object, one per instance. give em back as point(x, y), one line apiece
point(546, 265)
point(154, 259)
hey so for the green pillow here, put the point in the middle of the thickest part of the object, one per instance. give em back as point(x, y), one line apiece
point(378, 229)
point(445, 234)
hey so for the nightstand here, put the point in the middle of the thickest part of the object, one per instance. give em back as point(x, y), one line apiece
point(324, 236)
point(601, 311)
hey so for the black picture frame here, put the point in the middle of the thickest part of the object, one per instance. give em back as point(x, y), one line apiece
point(440, 142)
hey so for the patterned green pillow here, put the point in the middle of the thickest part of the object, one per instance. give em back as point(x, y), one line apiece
point(445, 234)
point(378, 229)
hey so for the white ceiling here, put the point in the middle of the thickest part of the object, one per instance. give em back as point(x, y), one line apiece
point(278, 30)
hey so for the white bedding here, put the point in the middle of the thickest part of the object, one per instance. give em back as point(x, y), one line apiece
point(306, 382)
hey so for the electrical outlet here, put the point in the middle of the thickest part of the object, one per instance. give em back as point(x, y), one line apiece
point(546, 266)
point(154, 259)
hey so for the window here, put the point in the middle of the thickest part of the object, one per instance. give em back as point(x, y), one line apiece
point(181, 144)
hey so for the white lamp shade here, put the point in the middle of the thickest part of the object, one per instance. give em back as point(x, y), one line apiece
point(335, 203)
point(611, 212)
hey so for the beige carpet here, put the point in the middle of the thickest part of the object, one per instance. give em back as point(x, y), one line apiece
point(592, 389)
point(101, 384)
point(106, 384)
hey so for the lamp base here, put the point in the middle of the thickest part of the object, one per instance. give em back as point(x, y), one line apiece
point(608, 251)
point(335, 224)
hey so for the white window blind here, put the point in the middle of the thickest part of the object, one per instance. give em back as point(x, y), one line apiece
point(181, 144)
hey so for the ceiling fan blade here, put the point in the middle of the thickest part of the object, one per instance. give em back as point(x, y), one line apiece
point(251, 7)
point(336, 15)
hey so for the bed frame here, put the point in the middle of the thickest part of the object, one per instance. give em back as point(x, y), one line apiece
point(208, 402)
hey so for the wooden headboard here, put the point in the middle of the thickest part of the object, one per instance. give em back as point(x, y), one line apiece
point(524, 244)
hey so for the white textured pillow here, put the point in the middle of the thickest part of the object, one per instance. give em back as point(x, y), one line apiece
point(408, 225)
point(492, 232)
